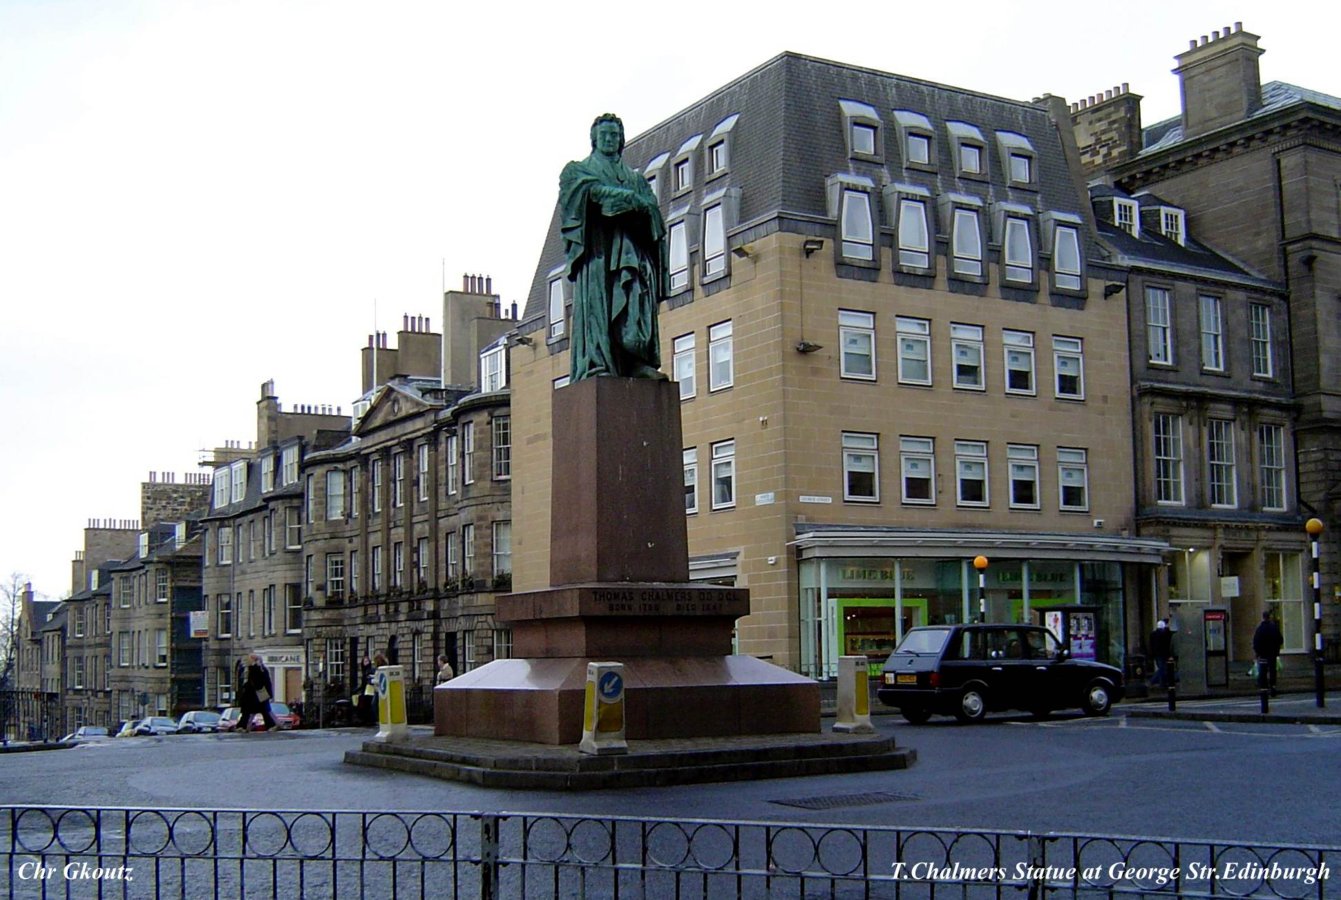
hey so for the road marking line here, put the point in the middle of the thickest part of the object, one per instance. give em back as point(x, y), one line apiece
point(1212, 727)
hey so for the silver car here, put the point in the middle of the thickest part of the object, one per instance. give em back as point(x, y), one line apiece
point(198, 721)
point(155, 725)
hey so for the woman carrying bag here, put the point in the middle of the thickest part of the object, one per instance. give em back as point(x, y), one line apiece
point(255, 694)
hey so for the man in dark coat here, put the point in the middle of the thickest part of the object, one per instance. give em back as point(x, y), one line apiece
point(614, 241)
point(1267, 641)
point(1161, 649)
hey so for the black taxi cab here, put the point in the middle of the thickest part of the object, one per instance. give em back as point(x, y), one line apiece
point(970, 670)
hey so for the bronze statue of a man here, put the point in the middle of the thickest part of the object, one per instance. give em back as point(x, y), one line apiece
point(615, 242)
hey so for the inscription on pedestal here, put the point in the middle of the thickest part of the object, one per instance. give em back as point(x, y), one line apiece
point(661, 602)
point(625, 600)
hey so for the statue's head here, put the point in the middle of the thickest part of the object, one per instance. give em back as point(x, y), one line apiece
point(603, 120)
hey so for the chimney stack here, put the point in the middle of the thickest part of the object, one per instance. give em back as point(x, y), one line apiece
point(1220, 80)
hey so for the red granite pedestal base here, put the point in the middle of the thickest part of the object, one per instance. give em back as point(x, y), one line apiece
point(620, 592)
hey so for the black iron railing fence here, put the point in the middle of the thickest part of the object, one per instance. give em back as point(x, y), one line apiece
point(74, 852)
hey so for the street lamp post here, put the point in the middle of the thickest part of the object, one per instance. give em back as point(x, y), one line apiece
point(1314, 529)
point(980, 563)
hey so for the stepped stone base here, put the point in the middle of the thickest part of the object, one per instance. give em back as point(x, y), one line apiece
point(540, 700)
point(507, 764)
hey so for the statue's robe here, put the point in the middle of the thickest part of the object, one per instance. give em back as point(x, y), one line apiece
point(614, 240)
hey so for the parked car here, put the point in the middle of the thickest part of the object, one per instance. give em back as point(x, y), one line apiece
point(228, 719)
point(86, 734)
point(969, 670)
point(198, 721)
point(127, 728)
point(285, 718)
point(151, 725)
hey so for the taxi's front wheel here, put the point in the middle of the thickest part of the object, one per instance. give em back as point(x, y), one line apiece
point(1097, 699)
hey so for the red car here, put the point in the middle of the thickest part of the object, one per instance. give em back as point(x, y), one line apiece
point(285, 718)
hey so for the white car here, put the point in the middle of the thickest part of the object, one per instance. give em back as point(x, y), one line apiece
point(86, 734)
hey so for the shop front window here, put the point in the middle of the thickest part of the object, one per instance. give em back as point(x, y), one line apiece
point(1285, 596)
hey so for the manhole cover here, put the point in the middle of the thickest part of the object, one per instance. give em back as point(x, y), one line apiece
point(836, 801)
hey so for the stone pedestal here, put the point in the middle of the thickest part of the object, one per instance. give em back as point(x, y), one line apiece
point(619, 570)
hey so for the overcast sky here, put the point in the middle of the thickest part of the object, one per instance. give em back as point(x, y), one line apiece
point(196, 197)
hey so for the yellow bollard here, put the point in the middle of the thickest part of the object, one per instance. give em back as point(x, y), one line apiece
point(603, 709)
point(854, 696)
point(391, 704)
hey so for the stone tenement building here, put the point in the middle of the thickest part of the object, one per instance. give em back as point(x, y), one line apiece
point(408, 522)
point(333, 538)
point(895, 349)
point(1256, 168)
point(1213, 417)
point(253, 547)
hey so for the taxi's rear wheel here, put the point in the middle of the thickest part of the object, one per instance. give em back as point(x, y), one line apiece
point(972, 704)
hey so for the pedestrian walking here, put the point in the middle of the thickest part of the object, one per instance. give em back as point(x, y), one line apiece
point(1161, 650)
point(1267, 641)
point(367, 690)
point(254, 694)
point(445, 673)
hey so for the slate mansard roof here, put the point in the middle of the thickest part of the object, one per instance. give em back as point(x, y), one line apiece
point(789, 138)
point(1152, 249)
point(1276, 96)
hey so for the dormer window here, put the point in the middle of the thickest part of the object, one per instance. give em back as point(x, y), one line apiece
point(720, 210)
point(684, 176)
point(963, 214)
point(679, 254)
point(716, 158)
point(654, 172)
point(910, 207)
point(239, 481)
point(719, 147)
point(858, 241)
point(494, 367)
point(558, 304)
point(862, 124)
point(914, 138)
point(970, 159)
point(970, 149)
point(863, 139)
point(1126, 217)
point(851, 203)
point(967, 242)
point(682, 167)
point(1172, 223)
point(919, 149)
point(1018, 250)
point(1019, 159)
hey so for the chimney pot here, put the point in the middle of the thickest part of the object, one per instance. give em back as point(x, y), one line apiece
point(428, 325)
point(489, 285)
point(1238, 26)
point(1204, 41)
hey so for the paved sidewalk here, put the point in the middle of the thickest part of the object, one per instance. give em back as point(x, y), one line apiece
point(1291, 707)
